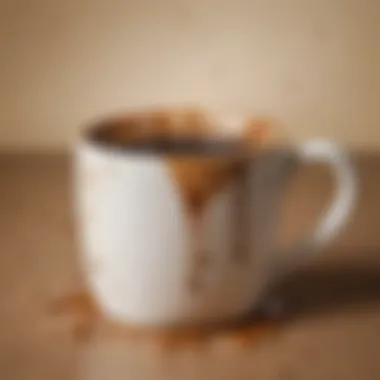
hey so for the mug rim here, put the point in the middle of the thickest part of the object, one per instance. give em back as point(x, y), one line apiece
point(207, 142)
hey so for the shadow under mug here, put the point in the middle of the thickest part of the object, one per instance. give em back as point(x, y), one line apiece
point(180, 229)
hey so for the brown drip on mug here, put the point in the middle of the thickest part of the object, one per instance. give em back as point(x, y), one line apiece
point(198, 180)
point(243, 227)
point(254, 134)
point(198, 256)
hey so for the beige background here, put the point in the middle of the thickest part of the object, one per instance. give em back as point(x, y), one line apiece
point(313, 64)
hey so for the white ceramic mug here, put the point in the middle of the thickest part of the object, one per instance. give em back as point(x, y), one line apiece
point(149, 260)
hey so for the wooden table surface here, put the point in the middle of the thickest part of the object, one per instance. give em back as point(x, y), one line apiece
point(332, 328)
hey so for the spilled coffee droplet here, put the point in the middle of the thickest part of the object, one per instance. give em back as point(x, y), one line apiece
point(248, 335)
point(84, 311)
point(80, 303)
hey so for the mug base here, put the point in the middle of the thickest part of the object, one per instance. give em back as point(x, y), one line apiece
point(88, 321)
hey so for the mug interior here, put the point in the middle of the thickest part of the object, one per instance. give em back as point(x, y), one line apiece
point(191, 133)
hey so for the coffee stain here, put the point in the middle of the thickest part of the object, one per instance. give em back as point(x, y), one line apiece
point(184, 122)
point(242, 221)
point(201, 262)
point(117, 130)
point(88, 321)
point(83, 309)
point(199, 179)
point(247, 335)
point(196, 123)
point(159, 124)
point(195, 276)
point(257, 132)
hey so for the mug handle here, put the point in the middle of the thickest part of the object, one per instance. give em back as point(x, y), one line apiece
point(338, 213)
